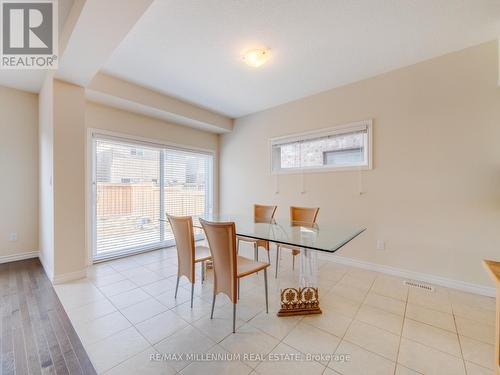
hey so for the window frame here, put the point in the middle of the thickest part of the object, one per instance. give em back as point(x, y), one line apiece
point(91, 205)
point(335, 130)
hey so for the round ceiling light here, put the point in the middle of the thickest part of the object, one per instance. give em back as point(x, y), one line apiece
point(256, 57)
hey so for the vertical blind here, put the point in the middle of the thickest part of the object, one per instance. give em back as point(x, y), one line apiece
point(136, 184)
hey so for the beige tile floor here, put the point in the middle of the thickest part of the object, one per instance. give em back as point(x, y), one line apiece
point(125, 311)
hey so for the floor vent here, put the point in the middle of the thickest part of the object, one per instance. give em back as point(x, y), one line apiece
point(417, 284)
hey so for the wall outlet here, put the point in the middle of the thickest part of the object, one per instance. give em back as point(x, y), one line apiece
point(380, 245)
point(13, 237)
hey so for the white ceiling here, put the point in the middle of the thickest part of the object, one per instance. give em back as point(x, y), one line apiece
point(191, 49)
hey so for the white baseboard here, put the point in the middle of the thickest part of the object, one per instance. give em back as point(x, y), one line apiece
point(60, 279)
point(48, 270)
point(16, 257)
point(413, 275)
point(70, 276)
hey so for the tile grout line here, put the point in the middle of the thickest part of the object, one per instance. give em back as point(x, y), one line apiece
point(430, 325)
point(132, 324)
point(400, 337)
point(54, 308)
point(65, 333)
point(281, 341)
point(354, 317)
point(401, 333)
point(122, 330)
point(248, 321)
point(119, 310)
point(410, 339)
point(168, 309)
point(404, 317)
point(253, 370)
point(459, 340)
point(421, 343)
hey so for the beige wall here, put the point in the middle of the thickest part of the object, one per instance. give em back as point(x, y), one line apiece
point(434, 192)
point(115, 120)
point(72, 115)
point(126, 95)
point(103, 117)
point(69, 179)
point(18, 172)
point(65, 117)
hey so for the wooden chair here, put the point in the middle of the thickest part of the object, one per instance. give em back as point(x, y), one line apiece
point(229, 268)
point(264, 214)
point(298, 215)
point(187, 253)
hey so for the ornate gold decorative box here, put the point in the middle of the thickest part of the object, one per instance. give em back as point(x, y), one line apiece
point(299, 301)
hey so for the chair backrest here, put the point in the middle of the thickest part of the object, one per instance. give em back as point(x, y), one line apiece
point(222, 241)
point(306, 215)
point(182, 227)
point(263, 213)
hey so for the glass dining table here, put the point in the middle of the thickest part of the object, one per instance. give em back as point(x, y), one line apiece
point(310, 239)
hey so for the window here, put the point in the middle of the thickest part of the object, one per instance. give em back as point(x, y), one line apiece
point(135, 184)
point(342, 147)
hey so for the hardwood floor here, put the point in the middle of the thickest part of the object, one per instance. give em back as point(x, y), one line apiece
point(36, 335)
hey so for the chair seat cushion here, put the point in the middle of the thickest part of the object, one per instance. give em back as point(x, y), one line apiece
point(260, 243)
point(295, 249)
point(248, 266)
point(202, 253)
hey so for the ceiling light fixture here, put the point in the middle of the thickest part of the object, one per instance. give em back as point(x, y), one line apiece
point(256, 57)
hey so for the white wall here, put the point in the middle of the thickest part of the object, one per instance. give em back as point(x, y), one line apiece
point(46, 192)
point(434, 192)
point(18, 173)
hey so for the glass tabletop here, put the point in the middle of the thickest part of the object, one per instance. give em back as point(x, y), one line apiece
point(320, 237)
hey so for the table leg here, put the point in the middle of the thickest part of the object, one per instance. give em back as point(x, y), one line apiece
point(497, 339)
point(304, 299)
point(308, 268)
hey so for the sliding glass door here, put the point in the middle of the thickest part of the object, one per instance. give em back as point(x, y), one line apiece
point(137, 183)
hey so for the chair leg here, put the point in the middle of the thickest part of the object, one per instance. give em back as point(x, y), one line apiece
point(177, 286)
point(203, 270)
point(192, 293)
point(265, 286)
point(277, 260)
point(268, 255)
point(256, 251)
point(237, 245)
point(293, 262)
point(234, 317)
point(238, 288)
point(213, 305)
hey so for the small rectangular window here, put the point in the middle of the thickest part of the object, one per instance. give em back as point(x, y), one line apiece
point(342, 147)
